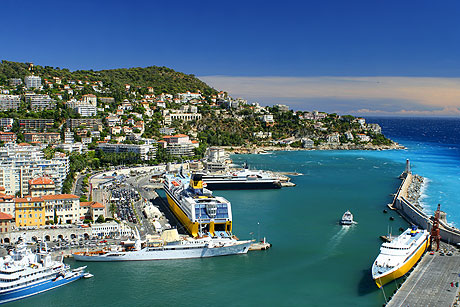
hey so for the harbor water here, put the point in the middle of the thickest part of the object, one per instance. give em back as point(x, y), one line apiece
point(314, 261)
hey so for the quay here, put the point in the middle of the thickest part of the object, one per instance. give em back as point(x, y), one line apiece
point(434, 280)
point(430, 283)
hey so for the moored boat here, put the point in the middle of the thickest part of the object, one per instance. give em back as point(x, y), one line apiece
point(24, 273)
point(170, 246)
point(245, 179)
point(397, 257)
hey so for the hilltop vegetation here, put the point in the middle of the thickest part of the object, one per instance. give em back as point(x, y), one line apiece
point(164, 80)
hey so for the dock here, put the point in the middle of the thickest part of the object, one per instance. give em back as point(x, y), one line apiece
point(258, 246)
point(430, 283)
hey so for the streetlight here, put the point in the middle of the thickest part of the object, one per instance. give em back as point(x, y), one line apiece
point(258, 231)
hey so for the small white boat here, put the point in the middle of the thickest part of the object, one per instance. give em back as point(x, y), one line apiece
point(87, 275)
point(347, 218)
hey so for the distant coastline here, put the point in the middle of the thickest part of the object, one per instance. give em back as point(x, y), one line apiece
point(264, 149)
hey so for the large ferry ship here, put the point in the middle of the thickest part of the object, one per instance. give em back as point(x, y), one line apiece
point(170, 246)
point(397, 257)
point(196, 207)
point(24, 273)
point(245, 179)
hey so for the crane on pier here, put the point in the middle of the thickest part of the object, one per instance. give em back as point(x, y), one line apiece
point(435, 235)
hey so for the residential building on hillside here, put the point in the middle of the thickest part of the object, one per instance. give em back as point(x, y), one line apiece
point(7, 137)
point(171, 115)
point(86, 110)
point(6, 203)
point(6, 221)
point(40, 102)
point(179, 145)
point(91, 210)
point(33, 81)
point(43, 137)
point(62, 208)
point(93, 123)
point(14, 81)
point(9, 102)
point(29, 211)
point(41, 186)
point(90, 99)
point(19, 164)
point(145, 151)
point(35, 124)
point(6, 123)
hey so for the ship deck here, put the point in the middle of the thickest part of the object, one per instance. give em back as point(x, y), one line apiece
point(430, 283)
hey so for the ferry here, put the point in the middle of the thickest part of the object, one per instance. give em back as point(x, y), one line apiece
point(196, 207)
point(245, 179)
point(347, 218)
point(24, 273)
point(397, 257)
point(170, 246)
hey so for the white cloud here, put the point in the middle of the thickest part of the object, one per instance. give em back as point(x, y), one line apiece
point(369, 95)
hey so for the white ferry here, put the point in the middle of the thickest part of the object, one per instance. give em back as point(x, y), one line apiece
point(171, 246)
point(24, 273)
point(196, 207)
point(397, 257)
point(245, 179)
point(347, 218)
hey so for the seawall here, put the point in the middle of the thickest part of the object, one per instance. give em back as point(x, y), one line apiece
point(416, 216)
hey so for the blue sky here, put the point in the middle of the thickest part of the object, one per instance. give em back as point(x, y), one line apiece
point(417, 40)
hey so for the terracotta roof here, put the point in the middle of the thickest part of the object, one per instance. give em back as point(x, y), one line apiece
point(91, 204)
point(41, 180)
point(27, 199)
point(5, 216)
point(59, 196)
point(97, 205)
point(180, 135)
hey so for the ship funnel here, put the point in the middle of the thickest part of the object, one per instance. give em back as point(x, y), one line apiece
point(196, 183)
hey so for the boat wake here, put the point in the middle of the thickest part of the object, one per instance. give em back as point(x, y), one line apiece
point(338, 237)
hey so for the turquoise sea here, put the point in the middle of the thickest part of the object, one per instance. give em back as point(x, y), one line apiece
point(313, 261)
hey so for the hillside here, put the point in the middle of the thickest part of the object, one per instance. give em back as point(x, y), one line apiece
point(162, 79)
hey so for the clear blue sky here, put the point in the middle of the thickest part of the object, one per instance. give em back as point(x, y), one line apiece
point(244, 38)
point(240, 38)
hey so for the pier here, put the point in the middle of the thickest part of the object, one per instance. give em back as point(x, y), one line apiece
point(430, 283)
point(435, 279)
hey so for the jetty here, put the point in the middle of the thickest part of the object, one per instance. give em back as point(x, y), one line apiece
point(434, 282)
point(435, 279)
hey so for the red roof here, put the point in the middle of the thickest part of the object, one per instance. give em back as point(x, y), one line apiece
point(59, 196)
point(5, 216)
point(41, 180)
point(28, 199)
point(180, 136)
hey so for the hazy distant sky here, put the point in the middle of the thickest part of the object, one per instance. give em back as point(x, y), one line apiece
point(366, 57)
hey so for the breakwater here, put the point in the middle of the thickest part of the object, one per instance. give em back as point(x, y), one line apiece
point(406, 204)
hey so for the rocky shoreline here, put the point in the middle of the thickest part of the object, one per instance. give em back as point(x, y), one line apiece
point(414, 190)
point(264, 149)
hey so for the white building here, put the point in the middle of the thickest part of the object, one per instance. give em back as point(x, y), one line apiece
point(145, 151)
point(169, 116)
point(40, 102)
point(86, 110)
point(19, 164)
point(65, 208)
point(9, 102)
point(111, 229)
point(33, 81)
point(90, 99)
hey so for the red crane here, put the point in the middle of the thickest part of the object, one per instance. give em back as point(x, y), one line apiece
point(435, 236)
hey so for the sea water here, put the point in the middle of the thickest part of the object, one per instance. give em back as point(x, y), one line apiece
point(314, 261)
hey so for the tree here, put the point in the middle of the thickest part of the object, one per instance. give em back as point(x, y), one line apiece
point(100, 219)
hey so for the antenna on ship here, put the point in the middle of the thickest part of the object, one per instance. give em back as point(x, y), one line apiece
point(435, 232)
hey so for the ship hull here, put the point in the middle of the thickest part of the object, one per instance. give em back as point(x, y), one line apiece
point(246, 185)
point(404, 268)
point(16, 294)
point(142, 255)
point(192, 227)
